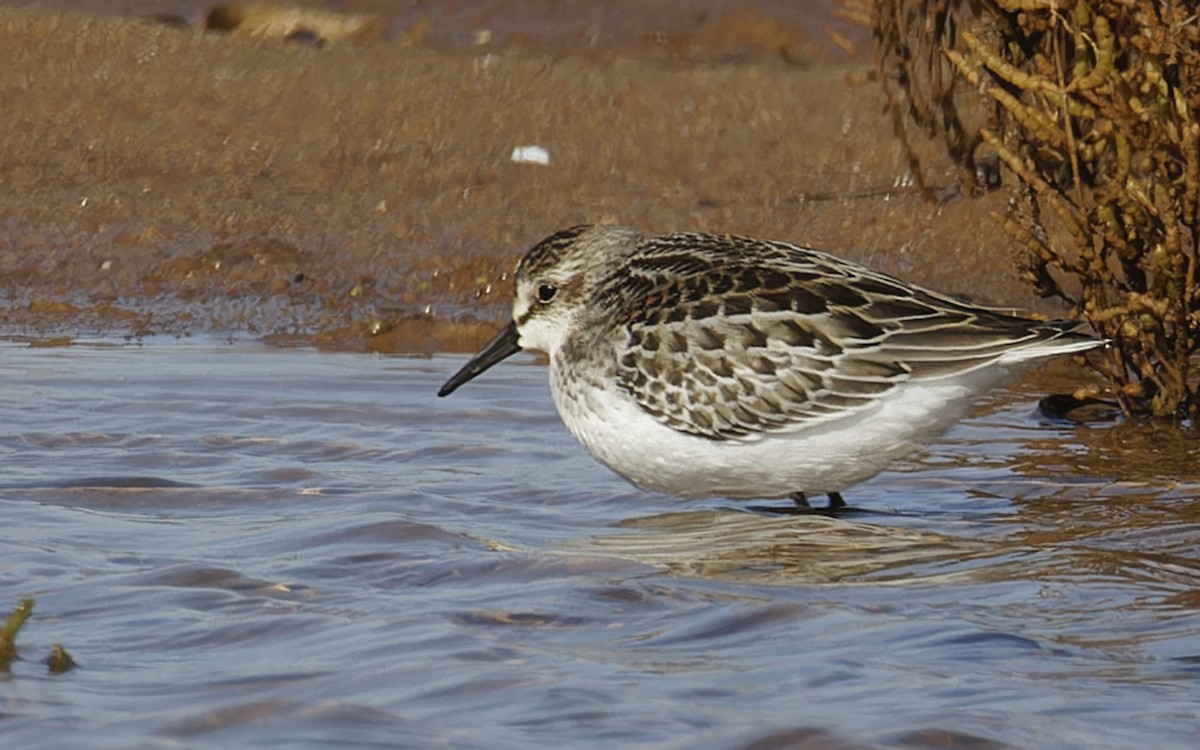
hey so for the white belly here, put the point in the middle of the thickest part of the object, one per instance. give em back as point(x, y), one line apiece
point(821, 458)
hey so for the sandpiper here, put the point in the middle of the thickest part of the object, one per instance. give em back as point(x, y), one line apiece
point(715, 365)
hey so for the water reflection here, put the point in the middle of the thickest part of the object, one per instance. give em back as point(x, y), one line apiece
point(257, 547)
point(756, 548)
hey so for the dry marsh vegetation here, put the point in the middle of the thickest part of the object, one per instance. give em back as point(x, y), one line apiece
point(1092, 109)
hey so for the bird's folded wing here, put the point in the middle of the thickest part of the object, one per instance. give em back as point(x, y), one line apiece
point(745, 375)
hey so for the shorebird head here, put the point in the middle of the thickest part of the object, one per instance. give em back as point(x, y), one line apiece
point(552, 284)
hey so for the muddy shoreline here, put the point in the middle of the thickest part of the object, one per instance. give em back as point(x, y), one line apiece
point(156, 179)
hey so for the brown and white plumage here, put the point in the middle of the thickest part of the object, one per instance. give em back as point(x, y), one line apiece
point(700, 364)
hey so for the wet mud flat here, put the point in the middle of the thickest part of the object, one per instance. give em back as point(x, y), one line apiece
point(159, 179)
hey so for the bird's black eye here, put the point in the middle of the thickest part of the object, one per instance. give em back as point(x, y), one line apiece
point(546, 293)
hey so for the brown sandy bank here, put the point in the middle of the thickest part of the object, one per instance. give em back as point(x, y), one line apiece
point(158, 179)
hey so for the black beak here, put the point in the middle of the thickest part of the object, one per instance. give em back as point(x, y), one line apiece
point(498, 349)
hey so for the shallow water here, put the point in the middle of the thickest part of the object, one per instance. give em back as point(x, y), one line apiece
point(254, 547)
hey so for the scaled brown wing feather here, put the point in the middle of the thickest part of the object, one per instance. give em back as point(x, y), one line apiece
point(750, 386)
point(750, 364)
point(731, 350)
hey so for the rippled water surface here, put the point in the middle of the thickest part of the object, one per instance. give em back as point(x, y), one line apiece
point(250, 547)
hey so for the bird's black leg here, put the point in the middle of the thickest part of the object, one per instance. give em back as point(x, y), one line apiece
point(835, 501)
point(801, 507)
